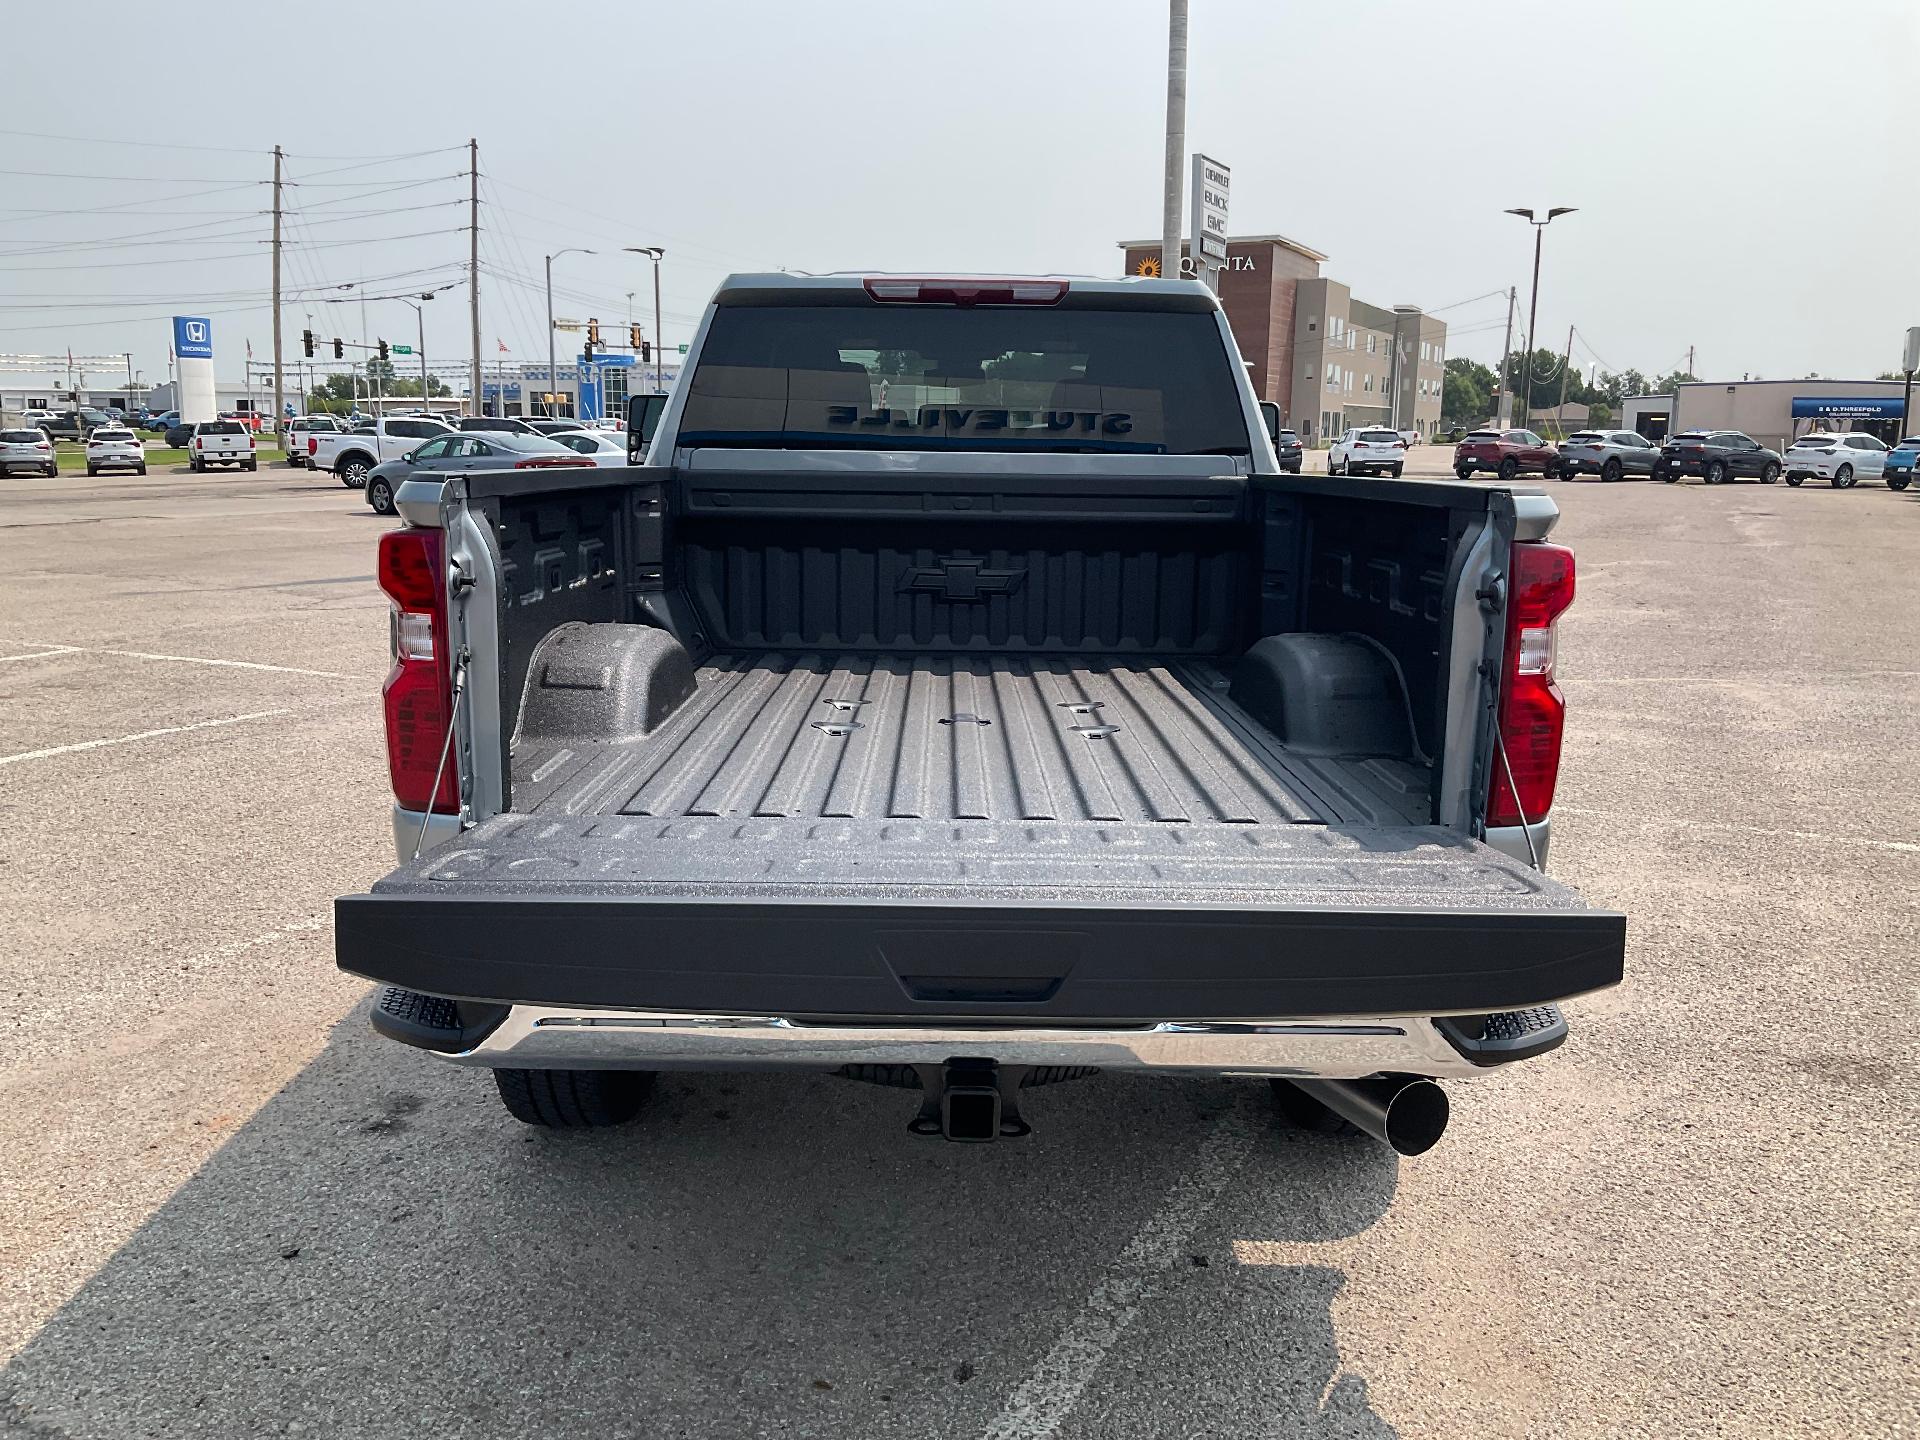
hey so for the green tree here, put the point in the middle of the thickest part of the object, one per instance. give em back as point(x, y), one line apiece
point(1466, 394)
point(1667, 383)
point(1615, 388)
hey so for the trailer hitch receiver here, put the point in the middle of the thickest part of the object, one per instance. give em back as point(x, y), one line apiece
point(970, 1100)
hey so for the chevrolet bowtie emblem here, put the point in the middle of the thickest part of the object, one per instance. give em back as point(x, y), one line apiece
point(961, 577)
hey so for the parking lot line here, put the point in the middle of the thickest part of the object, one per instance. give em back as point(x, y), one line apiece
point(39, 654)
point(1046, 1397)
point(191, 660)
point(143, 735)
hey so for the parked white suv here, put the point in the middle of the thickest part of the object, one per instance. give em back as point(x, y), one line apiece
point(114, 447)
point(1841, 460)
point(1371, 451)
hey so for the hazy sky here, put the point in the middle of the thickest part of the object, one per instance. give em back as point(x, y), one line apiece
point(1742, 167)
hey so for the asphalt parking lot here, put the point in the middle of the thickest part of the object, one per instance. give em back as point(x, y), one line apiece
point(230, 1210)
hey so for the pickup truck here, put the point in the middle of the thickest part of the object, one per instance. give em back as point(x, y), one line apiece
point(352, 456)
point(1506, 453)
point(1023, 723)
point(222, 442)
point(293, 435)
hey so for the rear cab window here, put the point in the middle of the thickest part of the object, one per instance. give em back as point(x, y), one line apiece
point(865, 374)
point(221, 427)
point(1380, 437)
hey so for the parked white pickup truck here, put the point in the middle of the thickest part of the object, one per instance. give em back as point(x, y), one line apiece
point(222, 442)
point(975, 737)
point(351, 457)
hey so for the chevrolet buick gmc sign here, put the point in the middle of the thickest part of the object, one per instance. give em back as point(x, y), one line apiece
point(192, 337)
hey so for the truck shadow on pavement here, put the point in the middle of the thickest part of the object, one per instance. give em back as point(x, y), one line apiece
point(380, 1250)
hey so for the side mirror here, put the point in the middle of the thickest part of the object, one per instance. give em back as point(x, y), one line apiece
point(643, 421)
point(407, 459)
point(1270, 413)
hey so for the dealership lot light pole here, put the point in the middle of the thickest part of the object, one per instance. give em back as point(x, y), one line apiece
point(552, 370)
point(1533, 305)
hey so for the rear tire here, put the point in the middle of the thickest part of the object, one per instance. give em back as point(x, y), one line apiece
point(1769, 473)
point(92, 472)
point(251, 466)
point(1301, 1111)
point(1509, 470)
point(1717, 473)
point(1396, 471)
point(1896, 482)
point(380, 497)
point(1463, 472)
point(572, 1099)
point(353, 472)
point(141, 471)
point(1843, 478)
point(1611, 471)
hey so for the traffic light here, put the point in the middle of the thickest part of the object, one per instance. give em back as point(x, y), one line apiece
point(593, 334)
point(586, 352)
point(634, 342)
point(646, 351)
point(306, 340)
point(382, 350)
point(339, 349)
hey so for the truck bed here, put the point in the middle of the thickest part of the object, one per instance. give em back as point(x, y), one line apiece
point(987, 738)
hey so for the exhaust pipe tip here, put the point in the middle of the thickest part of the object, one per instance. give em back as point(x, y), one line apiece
point(1405, 1112)
point(1416, 1117)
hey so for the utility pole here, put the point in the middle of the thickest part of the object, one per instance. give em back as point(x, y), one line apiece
point(1503, 392)
point(129, 359)
point(1176, 140)
point(1566, 364)
point(473, 269)
point(279, 393)
point(1689, 362)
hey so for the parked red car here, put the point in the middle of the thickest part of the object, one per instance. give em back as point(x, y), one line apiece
point(1506, 453)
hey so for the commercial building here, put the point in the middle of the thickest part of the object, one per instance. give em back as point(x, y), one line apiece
point(573, 390)
point(1328, 360)
point(1772, 411)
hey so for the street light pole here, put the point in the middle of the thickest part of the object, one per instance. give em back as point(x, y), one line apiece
point(1533, 303)
point(420, 319)
point(1176, 143)
point(552, 367)
point(654, 252)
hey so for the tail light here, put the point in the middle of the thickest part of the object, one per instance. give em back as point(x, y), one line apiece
point(418, 693)
point(1532, 711)
point(313, 444)
point(967, 292)
point(252, 444)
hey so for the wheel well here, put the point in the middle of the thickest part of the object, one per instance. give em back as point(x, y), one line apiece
point(345, 455)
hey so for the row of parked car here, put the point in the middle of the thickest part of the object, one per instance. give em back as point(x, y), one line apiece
point(1842, 459)
point(378, 456)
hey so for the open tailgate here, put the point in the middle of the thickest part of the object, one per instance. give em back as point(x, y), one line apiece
point(790, 916)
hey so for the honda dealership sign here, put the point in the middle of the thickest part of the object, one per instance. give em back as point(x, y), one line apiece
point(193, 356)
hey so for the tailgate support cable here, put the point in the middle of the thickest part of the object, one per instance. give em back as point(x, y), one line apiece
point(1499, 743)
point(453, 709)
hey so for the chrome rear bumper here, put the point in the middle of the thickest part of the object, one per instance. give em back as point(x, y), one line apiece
point(535, 1037)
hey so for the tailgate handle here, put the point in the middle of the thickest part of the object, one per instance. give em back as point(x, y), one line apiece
point(982, 989)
